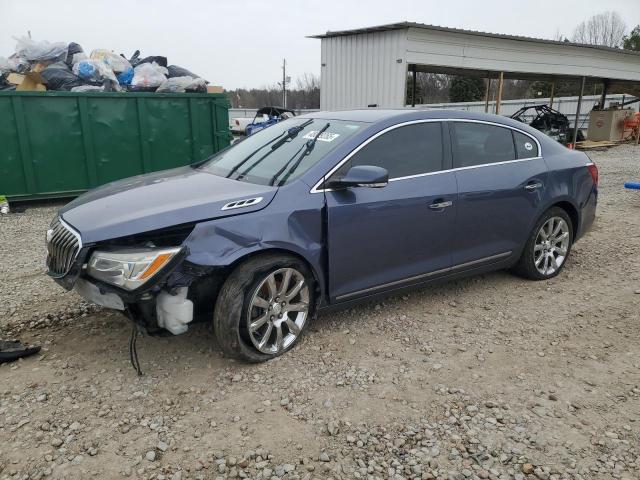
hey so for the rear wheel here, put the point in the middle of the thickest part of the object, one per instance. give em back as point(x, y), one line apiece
point(264, 307)
point(548, 246)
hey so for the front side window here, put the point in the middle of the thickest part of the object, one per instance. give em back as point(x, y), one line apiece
point(270, 157)
point(404, 151)
point(479, 144)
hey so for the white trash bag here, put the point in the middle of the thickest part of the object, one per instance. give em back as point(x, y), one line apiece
point(149, 75)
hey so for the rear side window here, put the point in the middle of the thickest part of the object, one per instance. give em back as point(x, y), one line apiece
point(403, 151)
point(526, 147)
point(479, 144)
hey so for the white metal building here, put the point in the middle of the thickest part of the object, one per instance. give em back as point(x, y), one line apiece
point(370, 67)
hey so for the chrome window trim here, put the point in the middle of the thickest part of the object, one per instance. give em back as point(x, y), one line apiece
point(316, 188)
point(414, 278)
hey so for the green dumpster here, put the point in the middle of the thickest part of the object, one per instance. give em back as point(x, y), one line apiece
point(56, 144)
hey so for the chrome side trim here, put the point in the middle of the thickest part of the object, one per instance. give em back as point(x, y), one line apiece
point(424, 275)
point(316, 188)
point(481, 260)
point(394, 283)
point(247, 202)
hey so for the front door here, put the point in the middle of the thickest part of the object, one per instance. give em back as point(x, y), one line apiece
point(380, 238)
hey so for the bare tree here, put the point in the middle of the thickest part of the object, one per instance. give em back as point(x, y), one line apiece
point(605, 28)
point(558, 36)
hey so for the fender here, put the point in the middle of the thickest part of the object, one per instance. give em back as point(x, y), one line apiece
point(225, 241)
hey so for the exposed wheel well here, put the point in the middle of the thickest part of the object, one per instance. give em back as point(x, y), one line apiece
point(282, 251)
point(573, 215)
point(204, 290)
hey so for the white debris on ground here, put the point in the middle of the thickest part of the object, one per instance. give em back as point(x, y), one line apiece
point(490, 377)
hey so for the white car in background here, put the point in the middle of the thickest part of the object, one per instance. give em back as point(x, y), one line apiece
point(238, 125)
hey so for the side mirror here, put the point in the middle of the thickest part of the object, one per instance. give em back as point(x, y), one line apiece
point(363, 176)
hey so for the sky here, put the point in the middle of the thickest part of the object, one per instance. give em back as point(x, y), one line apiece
point(242, 43)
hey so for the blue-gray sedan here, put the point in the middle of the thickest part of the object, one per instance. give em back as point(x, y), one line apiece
point(323, 210)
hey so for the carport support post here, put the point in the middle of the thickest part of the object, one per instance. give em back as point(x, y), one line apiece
point(486, 96)
point(553, 91)
point(575, 126)
point(603, 98)
point(499, 99)
point(413, 86)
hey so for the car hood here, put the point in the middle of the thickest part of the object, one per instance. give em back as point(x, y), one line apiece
point(158, 200)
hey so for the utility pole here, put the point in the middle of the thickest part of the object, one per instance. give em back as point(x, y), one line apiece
point(285, 80)
point(284, 83)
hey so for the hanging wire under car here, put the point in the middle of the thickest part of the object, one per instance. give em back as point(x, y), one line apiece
point(133, 352)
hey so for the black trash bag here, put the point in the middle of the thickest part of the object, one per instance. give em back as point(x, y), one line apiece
point(135, 58)
point(134, 88)
point(58, 76)
point(72, 49)
point(176, 71)
point(162, 61)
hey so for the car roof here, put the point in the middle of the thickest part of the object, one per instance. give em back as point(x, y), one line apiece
point(374, 115)
point(393, 116)
point(382, 118)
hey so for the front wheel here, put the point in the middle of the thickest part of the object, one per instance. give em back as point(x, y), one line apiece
point(264, 307)
point(548, 246)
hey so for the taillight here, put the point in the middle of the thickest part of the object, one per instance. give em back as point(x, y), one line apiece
point(593, 170)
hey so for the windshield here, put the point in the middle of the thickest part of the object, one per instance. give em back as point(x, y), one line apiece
point(275, 155)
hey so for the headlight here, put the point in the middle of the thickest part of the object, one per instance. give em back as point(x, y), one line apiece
point(129, 268)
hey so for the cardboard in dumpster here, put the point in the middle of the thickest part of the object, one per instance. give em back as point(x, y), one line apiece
point(30, 82)
point(215, 89)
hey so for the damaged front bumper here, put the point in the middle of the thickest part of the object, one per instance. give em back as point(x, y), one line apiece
point(164, 303)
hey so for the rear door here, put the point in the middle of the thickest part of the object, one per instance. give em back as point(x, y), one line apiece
point(379, 238)
point(501, 182)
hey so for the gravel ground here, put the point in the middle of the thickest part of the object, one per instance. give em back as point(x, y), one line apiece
point(490, 377)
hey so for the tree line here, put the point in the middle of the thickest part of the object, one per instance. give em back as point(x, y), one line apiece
point(305, 94)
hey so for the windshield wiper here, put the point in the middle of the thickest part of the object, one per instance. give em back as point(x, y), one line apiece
point(308, 148)
point(291, 133)
point(248, 157)
point(281, 140)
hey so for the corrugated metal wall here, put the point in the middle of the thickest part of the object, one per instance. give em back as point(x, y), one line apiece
point(462, 50)
point(362, 70)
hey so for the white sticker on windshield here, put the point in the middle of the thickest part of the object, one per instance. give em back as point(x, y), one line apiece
point(324, 137)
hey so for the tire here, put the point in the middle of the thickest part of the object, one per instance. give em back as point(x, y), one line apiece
point(237, 309)
point(553, 251)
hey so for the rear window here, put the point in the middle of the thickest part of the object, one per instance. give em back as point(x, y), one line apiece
point(479, 144)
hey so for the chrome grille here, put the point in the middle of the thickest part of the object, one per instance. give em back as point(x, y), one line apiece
point(63, 246)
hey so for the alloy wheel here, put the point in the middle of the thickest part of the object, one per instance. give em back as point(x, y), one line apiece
point(278, 310)
point(551, 246)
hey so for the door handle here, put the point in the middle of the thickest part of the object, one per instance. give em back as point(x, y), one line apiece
point(533, 186)
point(440, 205)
